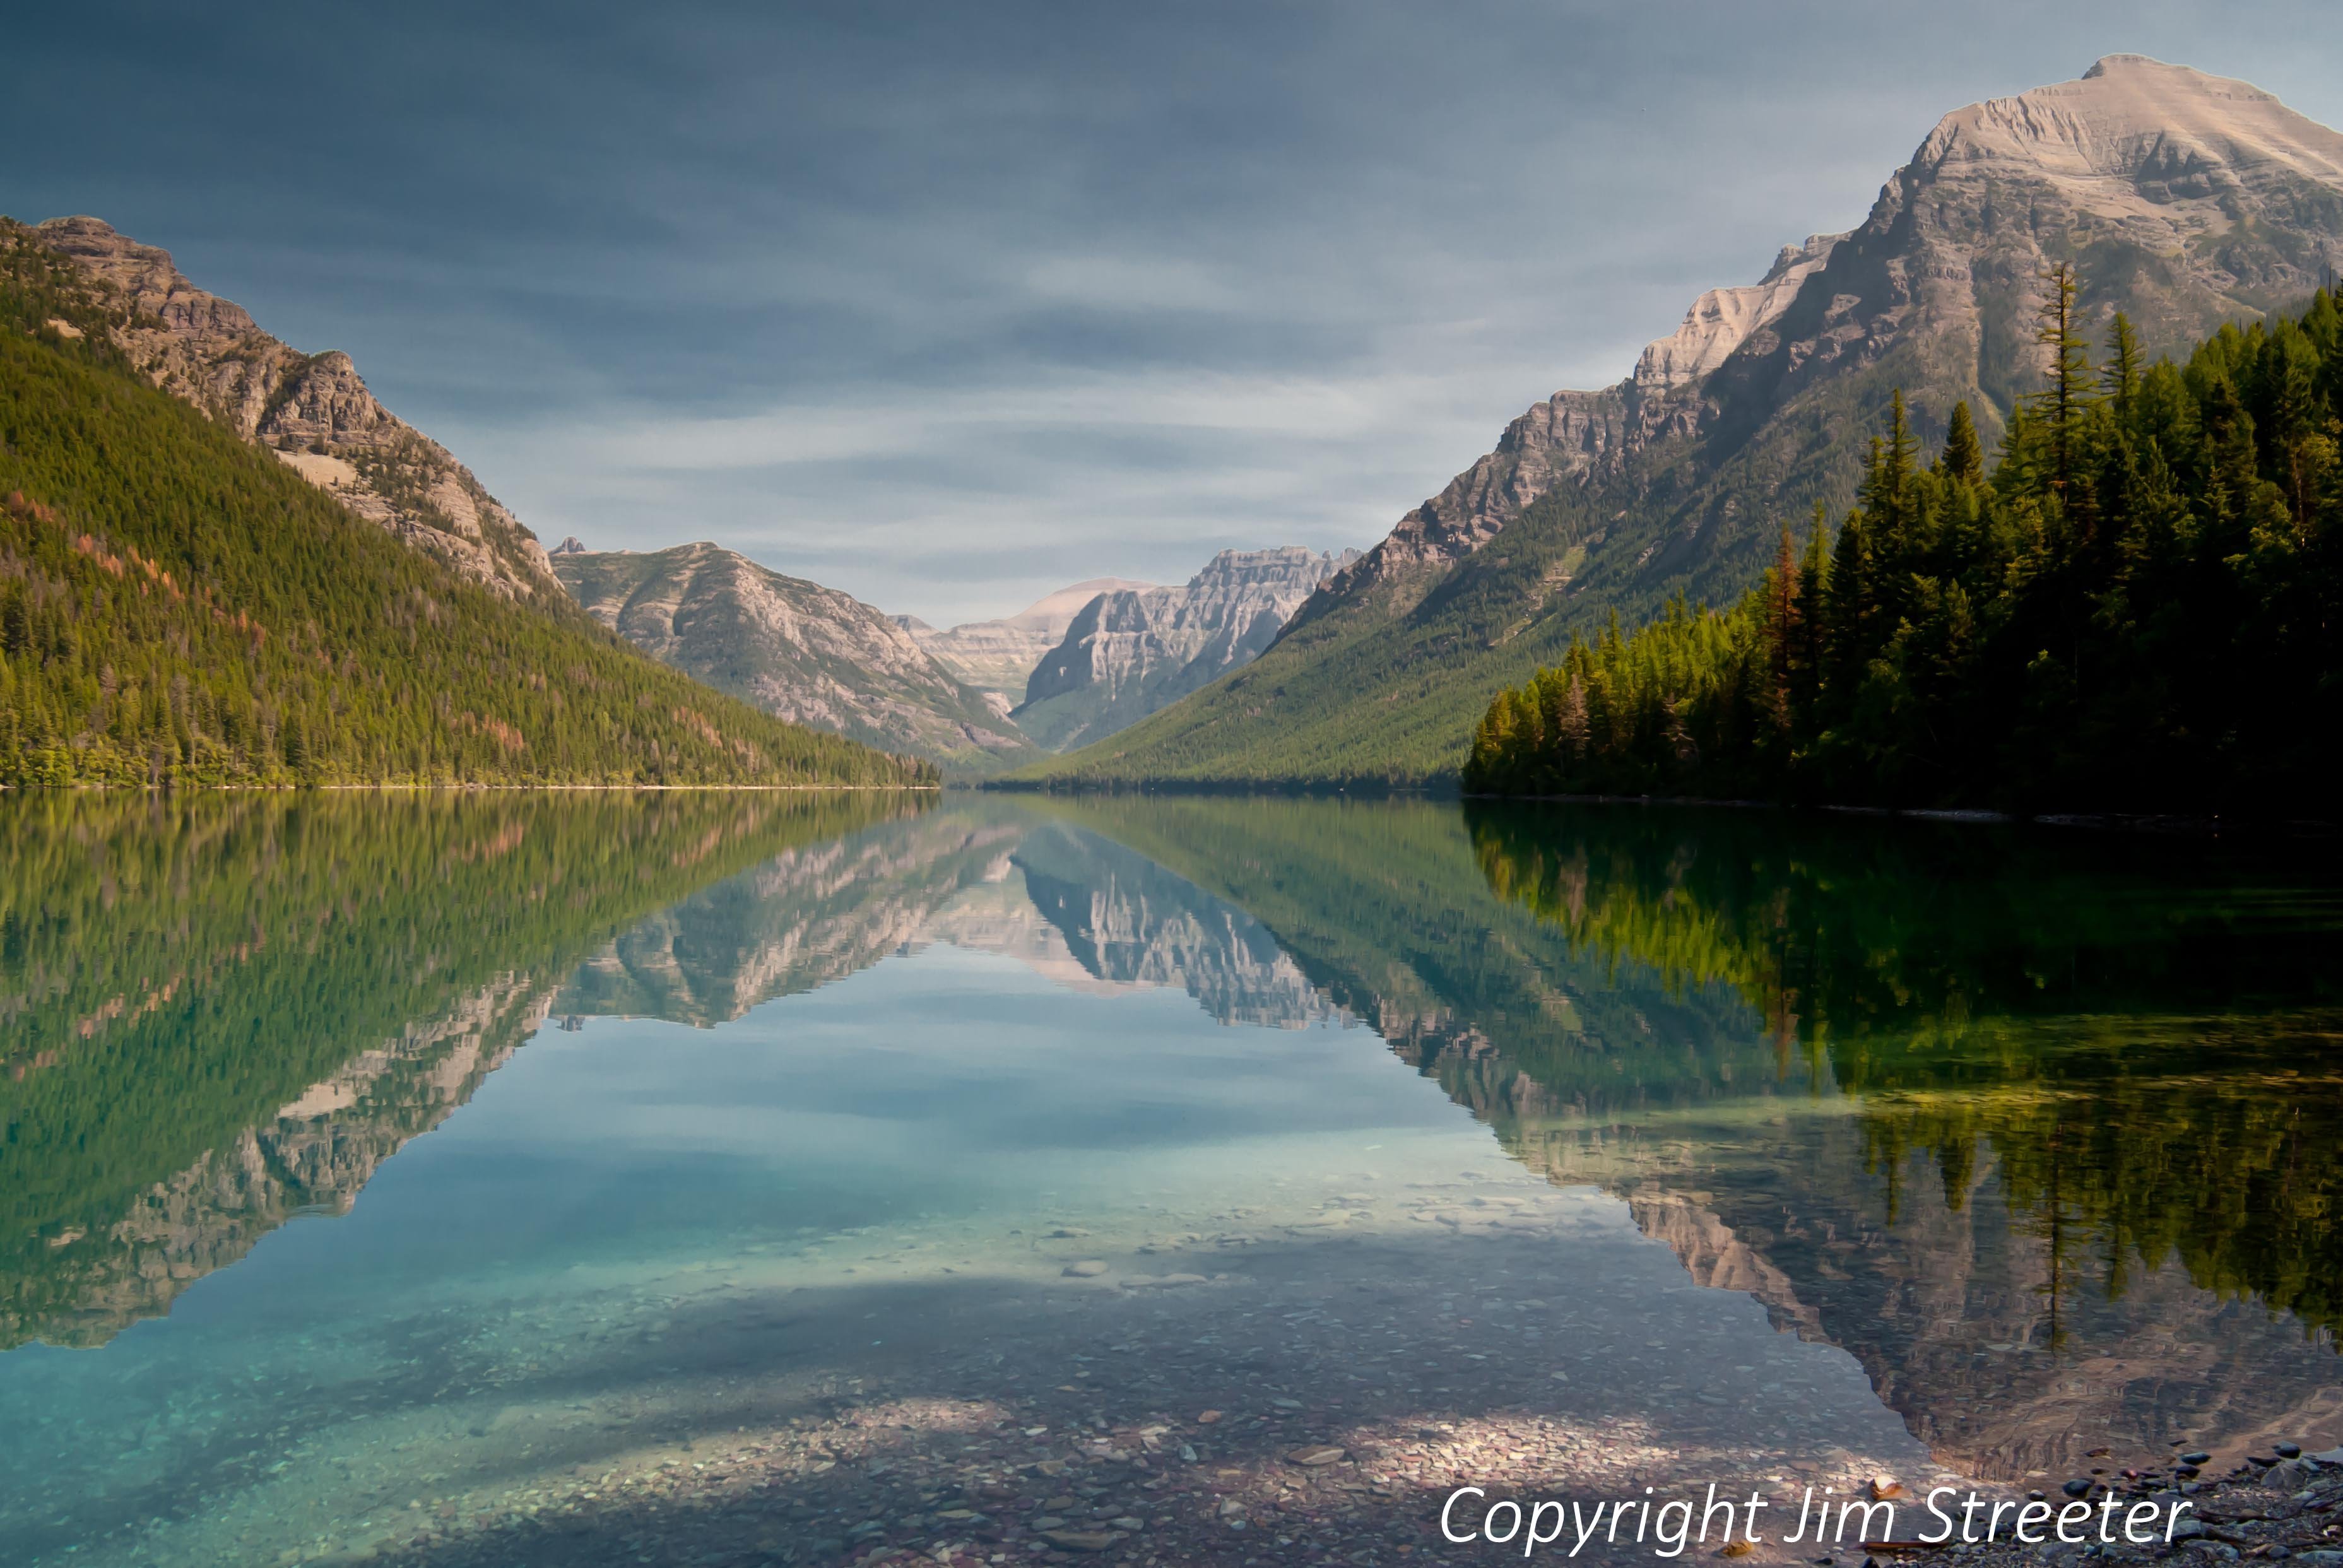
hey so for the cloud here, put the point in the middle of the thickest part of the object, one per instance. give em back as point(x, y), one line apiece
point(950, 305)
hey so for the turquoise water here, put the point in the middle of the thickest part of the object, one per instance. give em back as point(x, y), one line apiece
point(377, 1167)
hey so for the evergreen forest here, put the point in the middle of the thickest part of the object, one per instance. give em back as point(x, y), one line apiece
point(2137, 608)
point(178, 607)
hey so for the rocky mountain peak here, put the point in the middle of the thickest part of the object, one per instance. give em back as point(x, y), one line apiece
point(2133, 135)
point(2184, 200)
point(314, 410)
point(996, 656)
point(1721, 321)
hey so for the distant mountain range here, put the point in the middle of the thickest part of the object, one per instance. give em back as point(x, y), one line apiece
point(985, 695)
point(2183, 199)
point(1133, 651)
point(997, 657)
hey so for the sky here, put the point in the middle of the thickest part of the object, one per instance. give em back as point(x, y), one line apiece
point(951, 305)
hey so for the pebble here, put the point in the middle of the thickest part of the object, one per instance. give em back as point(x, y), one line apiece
point(1082, 1540)
point(1087, 1269)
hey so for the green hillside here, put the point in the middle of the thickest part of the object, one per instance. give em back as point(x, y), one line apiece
point(2141, 609)
point(177, 606)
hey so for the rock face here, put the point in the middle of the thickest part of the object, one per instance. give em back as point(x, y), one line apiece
point(795, 648)
point(2183, 199)
point(1131, 651)
point(312, 410)
point(997, 657)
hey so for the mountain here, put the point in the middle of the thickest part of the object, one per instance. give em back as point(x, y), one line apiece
point(178, 604)
point(995, 656)
point(311, 410)
point(806, 653)
point(2183, 199)
point(1131, 651)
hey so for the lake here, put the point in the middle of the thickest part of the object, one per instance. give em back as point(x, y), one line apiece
point(763, 1178)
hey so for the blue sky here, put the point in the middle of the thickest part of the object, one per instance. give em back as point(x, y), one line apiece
point(950, 305)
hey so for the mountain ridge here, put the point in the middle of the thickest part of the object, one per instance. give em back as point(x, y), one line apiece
point(313, 410)
point(800, 651)
point(2184, 199)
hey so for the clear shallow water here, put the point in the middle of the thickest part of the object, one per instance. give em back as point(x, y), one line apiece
point(1735, 1141)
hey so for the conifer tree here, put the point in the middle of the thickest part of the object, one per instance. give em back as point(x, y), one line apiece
point(2061, 402)
point(2122, 376)
point(1782, 616)
point(1963, 456)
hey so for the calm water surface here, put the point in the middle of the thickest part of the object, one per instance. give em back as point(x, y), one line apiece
point(361, 1156)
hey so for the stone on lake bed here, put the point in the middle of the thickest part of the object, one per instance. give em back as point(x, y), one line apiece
point(1208, 1418)
point(1082, 1540)
point(1315, 1455)
point(1087, 1269)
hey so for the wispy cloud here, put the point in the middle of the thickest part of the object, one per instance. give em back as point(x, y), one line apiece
point(948, 305)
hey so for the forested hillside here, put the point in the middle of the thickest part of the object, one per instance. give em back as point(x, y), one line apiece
point(178, 606)
point(2140, 608)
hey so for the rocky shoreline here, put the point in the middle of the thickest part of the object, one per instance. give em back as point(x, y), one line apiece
point(959, 1483)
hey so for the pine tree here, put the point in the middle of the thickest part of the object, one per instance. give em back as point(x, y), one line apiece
point(2062, 402)
point(1782, 631)
point(2121, 379)
point(1964, 456)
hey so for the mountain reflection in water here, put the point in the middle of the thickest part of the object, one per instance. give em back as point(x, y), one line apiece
point(2040, 1128)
